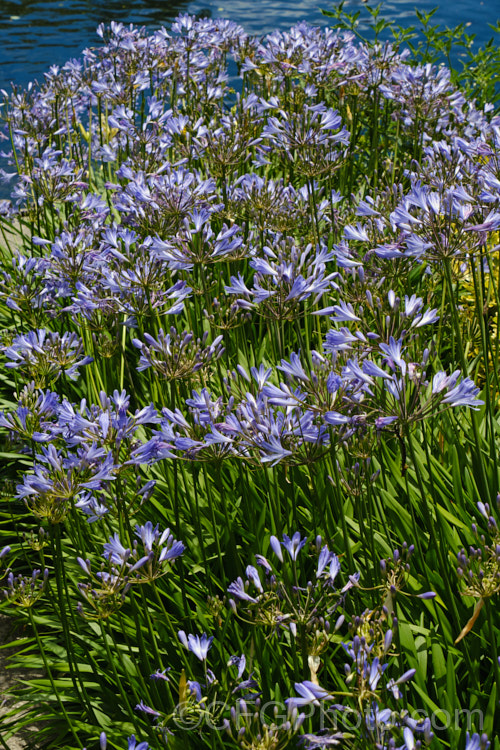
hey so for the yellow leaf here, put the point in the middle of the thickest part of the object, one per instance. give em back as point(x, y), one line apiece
point(182, 688)
point(84, 132)
point(470, 624)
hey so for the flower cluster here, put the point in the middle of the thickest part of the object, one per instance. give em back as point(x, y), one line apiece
point(480, 566)
point(177, 356)
point(45, 356)
point(285, 600)
point(25, 590)
point(265, 283)
point(124, 567)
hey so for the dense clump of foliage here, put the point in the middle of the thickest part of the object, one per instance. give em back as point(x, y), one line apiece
point(249, 339)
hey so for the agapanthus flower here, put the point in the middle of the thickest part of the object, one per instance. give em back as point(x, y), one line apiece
point(133, 744)
point(237, 590)
point(199, 645)
point(477, 742)
point(147, 709)
point(293, 545)
point(310, 693)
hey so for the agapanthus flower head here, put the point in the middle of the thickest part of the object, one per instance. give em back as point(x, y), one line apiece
point(248, 723)
point(54, 178)
point(197, 244)
point(157, 204)
point(312, 138)
point(25, 590)
point(286, 275)
point(57, 481)
point(24, 286)
point(105, 430)
point(178, 355)
point(271, 206)
point(395, 570)
point(44, 356)
point(143, 562)
point(228, 145)
point(479, 566)
point(265, 430)
point(105, 592)
point(137, 288)
point(272, 601)
point(34, 417)
point(159, 551)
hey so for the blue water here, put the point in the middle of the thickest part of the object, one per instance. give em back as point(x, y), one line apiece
point(35, 34)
